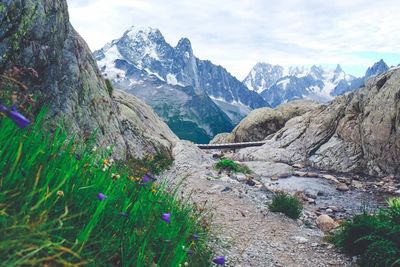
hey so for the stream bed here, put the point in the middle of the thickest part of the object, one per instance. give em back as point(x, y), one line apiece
point(327, 198)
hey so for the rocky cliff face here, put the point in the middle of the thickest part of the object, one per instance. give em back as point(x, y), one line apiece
point(220, 84)
point(262, 122)
point(190, 115)
point(358, 132)
point(37, 34)
point(378, 68)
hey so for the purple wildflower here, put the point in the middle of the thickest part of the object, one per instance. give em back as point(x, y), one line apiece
point(220, 260)
point(124, 214)
point(166, 217)
point(17, 117)
point(78, 156)
point(195, 236)
point(3, 108)
point(101, 196)
point(146, 179)
point(190, 252)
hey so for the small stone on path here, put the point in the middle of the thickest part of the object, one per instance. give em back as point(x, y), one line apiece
point(326, 223)
point(342, 187)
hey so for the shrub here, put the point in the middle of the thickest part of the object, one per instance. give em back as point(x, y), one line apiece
point(287, 204)
point(231, 166)
point(351, 237)
point(109, 86)
point(375, 238)
point(380, 253)
point(154, 164)
point(64, 204)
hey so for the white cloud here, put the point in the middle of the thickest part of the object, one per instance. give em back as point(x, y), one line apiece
point(238, 33)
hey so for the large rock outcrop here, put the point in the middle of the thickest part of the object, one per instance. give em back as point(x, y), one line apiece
point(141, 128)
point(262, 122)
point(38, 35)
point(358, 132)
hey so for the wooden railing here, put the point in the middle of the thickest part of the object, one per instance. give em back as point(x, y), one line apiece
point(230, 145)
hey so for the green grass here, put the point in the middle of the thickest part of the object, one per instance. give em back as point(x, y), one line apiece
point(50, 213)
point(231, 166)
point(109, 86)
point(375, 238)
point(154, 164)
point(287, 204)
point(187, 130)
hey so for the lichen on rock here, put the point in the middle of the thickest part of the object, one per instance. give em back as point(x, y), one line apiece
point(38, 35)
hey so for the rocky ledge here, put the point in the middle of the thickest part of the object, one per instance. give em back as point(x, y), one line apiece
point(38, 35)
point(262, 122)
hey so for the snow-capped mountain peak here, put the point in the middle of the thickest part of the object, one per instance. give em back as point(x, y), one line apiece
point(143, 33)
point(262, 76)
point(184, 43)
point(378, 68)
point(142, 58)
point(317, 72)
point(279, 84)
point(146, 49)
point(299, 82)
point(184, 47)
point(338, 69)
point(298, 71)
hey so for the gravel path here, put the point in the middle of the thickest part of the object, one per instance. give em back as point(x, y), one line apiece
point(248, 234)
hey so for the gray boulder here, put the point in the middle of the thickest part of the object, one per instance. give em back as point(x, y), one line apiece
point(38, 35)
point(358, 132)
point(263, 122)
point(142, 130)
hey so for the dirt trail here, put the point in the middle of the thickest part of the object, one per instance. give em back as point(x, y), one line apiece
point(249, 235)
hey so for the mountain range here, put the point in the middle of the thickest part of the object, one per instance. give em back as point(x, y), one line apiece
point(196, 98)
point(277, 84)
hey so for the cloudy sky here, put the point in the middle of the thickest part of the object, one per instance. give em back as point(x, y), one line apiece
point(238, 33)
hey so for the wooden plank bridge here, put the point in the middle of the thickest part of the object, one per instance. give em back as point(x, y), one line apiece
point(230, 145)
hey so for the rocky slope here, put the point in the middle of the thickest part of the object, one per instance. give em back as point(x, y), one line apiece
point(38, 35)
point(243, 228)
point(143, 52)
point(262, 122)
point(358, 132)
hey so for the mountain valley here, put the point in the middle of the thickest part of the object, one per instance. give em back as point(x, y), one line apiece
point(198, 99)
point(101, 163)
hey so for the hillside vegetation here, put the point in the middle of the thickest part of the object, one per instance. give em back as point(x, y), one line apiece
point(66, 202)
